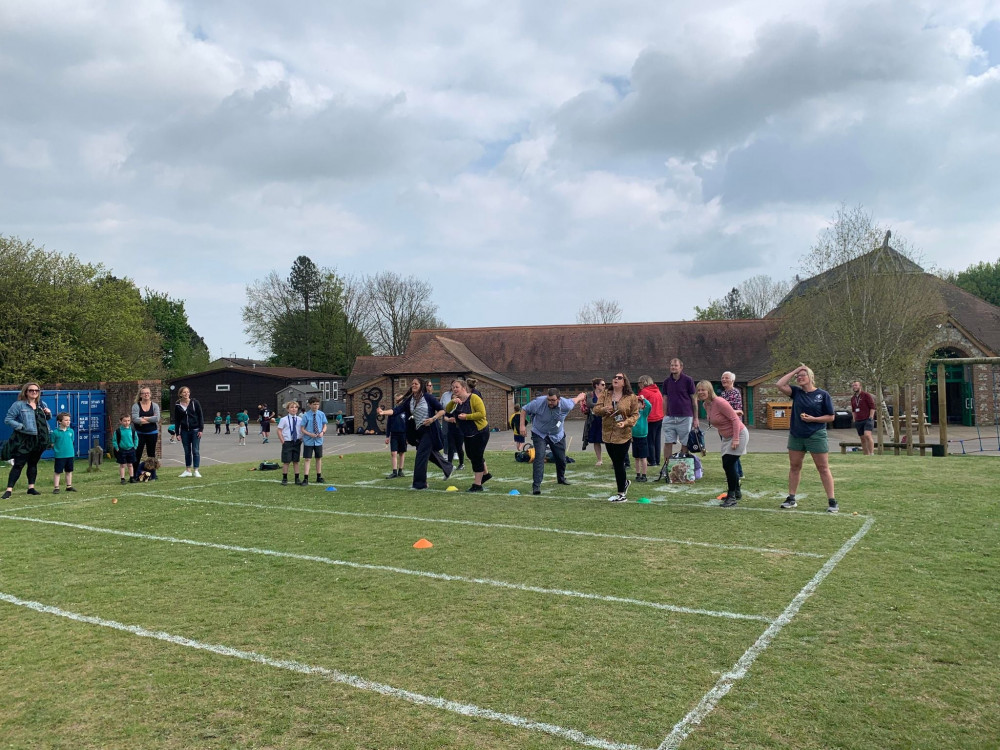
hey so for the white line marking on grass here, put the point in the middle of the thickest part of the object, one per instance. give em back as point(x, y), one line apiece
point(400, 571)
point(725, 683)
point(49, 505)
point(483, 524)
point(333, 675)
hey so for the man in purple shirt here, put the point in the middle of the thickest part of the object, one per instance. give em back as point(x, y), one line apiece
point(680, 407)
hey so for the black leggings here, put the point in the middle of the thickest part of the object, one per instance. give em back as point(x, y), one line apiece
point(475, 448)
point(732, 474)
point(456, 443)
point(147, 441)
point(618, 452)
point(22, 459)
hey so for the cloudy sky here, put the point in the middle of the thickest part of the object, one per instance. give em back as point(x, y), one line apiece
point(523, 157)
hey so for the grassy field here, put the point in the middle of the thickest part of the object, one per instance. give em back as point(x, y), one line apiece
point(233, 612)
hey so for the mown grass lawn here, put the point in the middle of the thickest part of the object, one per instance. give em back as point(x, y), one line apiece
point(591, 622)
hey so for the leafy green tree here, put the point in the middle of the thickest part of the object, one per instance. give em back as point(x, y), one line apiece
point(304, 279)
point(65, 320)
point(184, 351)
point(982, 280)
point(730, 307)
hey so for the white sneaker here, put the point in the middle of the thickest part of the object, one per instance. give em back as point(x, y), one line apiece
point(197, 473)
point(186, 473)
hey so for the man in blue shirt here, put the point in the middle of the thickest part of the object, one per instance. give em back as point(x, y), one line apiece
point(548, 418)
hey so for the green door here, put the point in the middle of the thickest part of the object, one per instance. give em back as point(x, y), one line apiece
point(968, 412)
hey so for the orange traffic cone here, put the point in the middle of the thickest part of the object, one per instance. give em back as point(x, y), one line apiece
point(422, 544)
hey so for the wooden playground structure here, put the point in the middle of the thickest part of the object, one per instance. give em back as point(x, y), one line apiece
point(908, 425)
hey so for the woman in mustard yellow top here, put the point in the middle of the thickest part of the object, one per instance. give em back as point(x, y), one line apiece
point(469, 416)
point(619, 408)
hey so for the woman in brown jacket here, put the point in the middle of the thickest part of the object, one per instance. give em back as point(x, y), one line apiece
point(619, 409)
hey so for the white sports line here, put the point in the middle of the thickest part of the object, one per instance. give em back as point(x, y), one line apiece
point(482, 524)
point(333, 675)
point(725, 683)
point(392, 569)
point(677, 735)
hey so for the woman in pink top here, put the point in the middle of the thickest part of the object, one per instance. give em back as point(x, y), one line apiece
point(734, 435)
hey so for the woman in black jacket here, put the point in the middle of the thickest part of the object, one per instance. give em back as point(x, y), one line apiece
point(189, 421)
point(422, 411)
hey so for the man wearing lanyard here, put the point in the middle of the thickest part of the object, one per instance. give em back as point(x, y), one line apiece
point(863, 409)
point(290, 435)
point(548, 417)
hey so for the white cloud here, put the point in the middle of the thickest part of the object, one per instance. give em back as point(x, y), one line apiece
point(658, 153)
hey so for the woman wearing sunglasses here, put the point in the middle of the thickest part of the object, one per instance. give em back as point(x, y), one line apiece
point(28, 417)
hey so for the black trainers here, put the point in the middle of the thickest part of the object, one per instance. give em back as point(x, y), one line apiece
point(562, 480)
point(71, 488)
point(55, 491)
point(487, 477)
point(394, 474)
point(319, 479)
point(638, 477)
point(789, 503)
point(832, 507)
point(33, 491)
point(124, 481)
point(460, 466)
point(739, 494)
point(305, 482)
point(534, 491)
point(475, 488)
point(6, 495)
point(284, 479)
point(729, 502)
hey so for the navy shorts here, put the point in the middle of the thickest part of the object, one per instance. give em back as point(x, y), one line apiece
point(126, 457)
point(64, 464)
point(640, 448)
point(397, 442)
point(864, 425)
point(308, 451)
point(291, 451)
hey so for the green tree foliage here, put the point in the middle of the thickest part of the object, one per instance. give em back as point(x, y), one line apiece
point(305, 280)
point(184, 351)
point(982, 280)
point(730, 307)
point(64, 320)
point(867, 312)
point(327, 339)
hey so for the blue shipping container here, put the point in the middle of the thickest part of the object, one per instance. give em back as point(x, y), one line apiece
point(86, 410)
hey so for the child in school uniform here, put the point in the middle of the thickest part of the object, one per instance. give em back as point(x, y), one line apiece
point(395, 428)
point(124, 442)
point(243, 433)
point(290, 435)
point(218, 423)
point(313, 431)
point(64, 448)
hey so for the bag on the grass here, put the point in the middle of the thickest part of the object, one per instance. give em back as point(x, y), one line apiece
point(680, 469)
point(696, 442)
point(268, 466)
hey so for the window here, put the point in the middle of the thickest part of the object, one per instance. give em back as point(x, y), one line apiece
point(335, 390)
point(222, 386)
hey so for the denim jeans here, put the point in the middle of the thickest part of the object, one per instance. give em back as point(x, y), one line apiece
point(192, 448)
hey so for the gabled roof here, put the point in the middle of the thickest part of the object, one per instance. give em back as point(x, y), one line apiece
point(440, 354)
point(368, 368)
point(975, 315)
point(236, 362)
point(573, 354)
point(275, 373)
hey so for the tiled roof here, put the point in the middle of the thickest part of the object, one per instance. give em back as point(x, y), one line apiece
point(441, 354)
point(278, 373)
point(368, 368)
point(576, 353)
point(975, 315)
